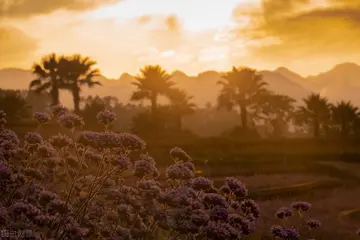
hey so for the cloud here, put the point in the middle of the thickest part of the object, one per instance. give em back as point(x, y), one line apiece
point(302, 30)
point(28, 8)
point(15, 47)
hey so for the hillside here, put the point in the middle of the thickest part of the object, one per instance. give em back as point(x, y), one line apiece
point(341, 82)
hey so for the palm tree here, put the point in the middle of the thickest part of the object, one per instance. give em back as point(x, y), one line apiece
point(315, 113)
point(244, 88)
point(181, 105)
point(152, 82)
point(345, 116)
point(278, 111)
point(49, 78)
point(78, 71)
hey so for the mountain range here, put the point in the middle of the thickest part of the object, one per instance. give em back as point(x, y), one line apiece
point(342, 82)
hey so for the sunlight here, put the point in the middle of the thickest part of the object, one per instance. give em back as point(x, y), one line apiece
point(195, 15)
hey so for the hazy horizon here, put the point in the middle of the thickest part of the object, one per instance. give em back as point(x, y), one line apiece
point(124, 35)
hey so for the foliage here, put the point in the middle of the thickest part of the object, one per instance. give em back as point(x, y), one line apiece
point(15, 105)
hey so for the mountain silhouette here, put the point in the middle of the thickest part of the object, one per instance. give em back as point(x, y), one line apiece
point(340, 82)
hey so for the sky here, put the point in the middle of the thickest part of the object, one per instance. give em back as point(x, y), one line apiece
point(306, 36)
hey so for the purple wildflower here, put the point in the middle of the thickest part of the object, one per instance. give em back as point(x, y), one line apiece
point(250, 208)
point(240, 223)
point(123, 163)
point(33, 138)
point(220, 231)
point(5, 172)
point(123, 234)
point(283, 213)
point(182, 196)
point(70, 121)
point(45, 220)
point(131, 142)
point(58, 206)
point(58, 110)
point(201, 183)
point(27, 209)
point(46, 151)
point(301, 206)
point(106, 117)
point(143, 168)
point(100, 140)
point(213, 199)
point(41, 117)
point(60, 141)
point(179, 171)
point(278, 231)
point(179, 155)
point(199, 217)
point(219, 213)
point(291, 234)
point(237, 187)
point(313, 223)
point(8, 135)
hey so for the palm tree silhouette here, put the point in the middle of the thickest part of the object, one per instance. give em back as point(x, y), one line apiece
point(278, 111)
point(152, 82)
point(315, 113)
point(244, 88)
point(181, 105)
point(345, 116)
point(49, 78)
point(78, 71)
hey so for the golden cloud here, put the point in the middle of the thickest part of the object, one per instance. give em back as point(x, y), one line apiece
point(302, 29)
point(27, 8)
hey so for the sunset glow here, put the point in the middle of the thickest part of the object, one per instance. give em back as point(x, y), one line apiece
point(194, 36)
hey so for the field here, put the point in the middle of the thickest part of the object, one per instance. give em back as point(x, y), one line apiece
point(326, 174)
point(331, 187)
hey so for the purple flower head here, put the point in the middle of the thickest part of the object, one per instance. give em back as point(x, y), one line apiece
point(27, 209)
point(182, 196)
point(8, 135)
point(58, 206)
point(45, 220)
point(219, 214)
point(199, 217)
point(123, 163)
point(34, 173)
point(313, 223)
point(70, 121)
point(201, 183)
point(301, 206)
point(241, 223)
point(58, 110)
point(33, 138)
point(225, 189)
point(179, 171)
point(283, 213)
point(5, 172)
point(237, 187)
point(278, 231)
point(220, 231)
point(212, 199)
point(291, 234)
point(131, 142)
point(106, 117)
point(46, 196)
point(179, 155)
point(189, 165)
point(250, 208)
point(144, 168)
point(60, 141)
point(150, 189)
point(41, 117)
point(100, 140)
point(46, 151)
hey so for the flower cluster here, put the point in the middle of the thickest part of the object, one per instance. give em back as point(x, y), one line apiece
point(106, 117)
point(105, 186)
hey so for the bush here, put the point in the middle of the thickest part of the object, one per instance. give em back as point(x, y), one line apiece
point(103, 185)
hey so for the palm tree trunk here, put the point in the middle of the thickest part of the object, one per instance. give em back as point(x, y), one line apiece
point(76, 100)
point(154, 108)
point(55, 96)
point(244, 117)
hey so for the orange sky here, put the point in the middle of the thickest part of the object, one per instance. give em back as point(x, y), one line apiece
point(308, 36)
